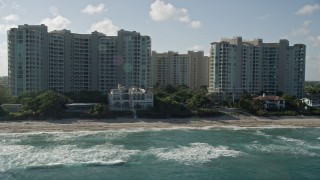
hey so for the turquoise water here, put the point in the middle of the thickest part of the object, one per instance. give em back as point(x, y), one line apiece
point(219, 153)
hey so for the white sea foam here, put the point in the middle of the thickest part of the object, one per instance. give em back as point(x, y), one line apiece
point(194, 153)
point(300, 143)
point(260, 133)
point(285, 145)
point(109, 135)
point(292, 140)
point(89, 163)
point(105, 163)
point(9, 141)
point(16, 156)
point(64, 136)
point(285, 149)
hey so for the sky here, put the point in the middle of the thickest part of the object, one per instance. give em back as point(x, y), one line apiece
point(175, 25)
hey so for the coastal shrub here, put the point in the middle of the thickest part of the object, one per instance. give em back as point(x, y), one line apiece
point(262, 112)
point(113, 114)
point(181, 114)
point(151, 113)
point(283, 113)
point(310, 111)
point(3, 112)
point(4, 95)
point(257, 105)
point(98, 110)
point(197, 101)
point(245, 104)
point(315, 112)
point(205, 112)
point(87, 97)
point(46, 104)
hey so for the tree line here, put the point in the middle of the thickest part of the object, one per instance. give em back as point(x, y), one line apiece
point(169, 101)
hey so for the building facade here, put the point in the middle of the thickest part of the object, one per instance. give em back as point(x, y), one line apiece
point(132, 98)
point(312, 101)
point(271, 102)
point(237, 66)
point(69, 62)
point(27, 58)
point(172, 68)
point(136, 53)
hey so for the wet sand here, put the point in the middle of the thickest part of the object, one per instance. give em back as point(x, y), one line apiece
point(228, 120)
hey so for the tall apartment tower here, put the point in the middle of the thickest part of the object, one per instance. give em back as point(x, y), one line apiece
point(198, 69)
point(125, 59)
point(68, 62)
point(135, 50)
point(109, 63)
point(238, 66)
point(161, 68)
point(172, 68)
point(27, 58)
point(73, 61)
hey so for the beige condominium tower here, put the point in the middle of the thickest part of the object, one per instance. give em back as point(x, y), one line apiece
point(172, 68)
point(238, 66)
point(67, 62)
point(27, 58)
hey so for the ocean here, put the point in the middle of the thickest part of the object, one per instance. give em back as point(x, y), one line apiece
point(185, 153)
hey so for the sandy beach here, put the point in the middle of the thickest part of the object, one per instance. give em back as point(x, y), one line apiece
point(228, 120)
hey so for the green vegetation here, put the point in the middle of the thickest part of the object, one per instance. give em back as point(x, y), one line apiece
point(46, 104)
point(169, 102)
point(180, 102)
point(294, 106)
point(312, 87)
point(4, 95)
point(4, 81)
point(50, 104)
point(86, 97)
point(3, 113)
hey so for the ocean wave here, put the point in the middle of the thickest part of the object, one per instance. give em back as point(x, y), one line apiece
point(292, 140)
point(106, 163)
point(284, 149)
point(121, 133)
point(95, 163)
point(46, 166)
point(260, 133)
point(57, 136)
point(299, 143)
point(194, 153)
point(17, 156)
point(108, 135)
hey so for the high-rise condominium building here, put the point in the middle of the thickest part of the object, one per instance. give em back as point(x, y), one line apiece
point(73, 61)
point(237, 66)
point(136, 53)
point(125, 59)
point(68, 62)
point(172, 68)
point(27, 59)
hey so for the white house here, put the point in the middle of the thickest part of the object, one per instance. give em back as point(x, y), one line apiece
point(312, 101)
point(132, 98)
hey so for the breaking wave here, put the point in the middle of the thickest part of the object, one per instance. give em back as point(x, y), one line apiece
point(194, 153)
point(17, 156)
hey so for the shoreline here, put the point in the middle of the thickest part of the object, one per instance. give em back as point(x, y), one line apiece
point(224, 121)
